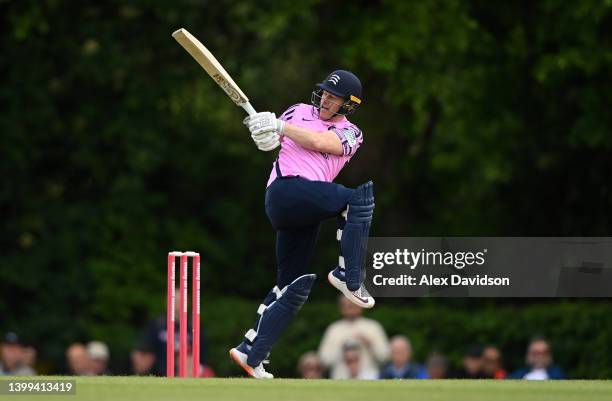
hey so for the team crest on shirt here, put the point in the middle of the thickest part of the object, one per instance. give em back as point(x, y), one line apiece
point(350, 135)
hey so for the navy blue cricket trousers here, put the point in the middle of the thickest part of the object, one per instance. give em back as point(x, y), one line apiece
point(296, 207)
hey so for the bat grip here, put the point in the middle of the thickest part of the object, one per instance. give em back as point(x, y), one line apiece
point(248, 108)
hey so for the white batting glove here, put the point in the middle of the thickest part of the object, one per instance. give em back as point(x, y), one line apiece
point(265, 129)
point(263, 122)
point(266, 141)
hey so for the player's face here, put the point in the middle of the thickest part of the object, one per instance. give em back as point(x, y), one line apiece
point(330, 104)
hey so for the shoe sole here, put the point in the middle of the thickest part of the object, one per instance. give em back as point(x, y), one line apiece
point(340, 286)
point(244, 366)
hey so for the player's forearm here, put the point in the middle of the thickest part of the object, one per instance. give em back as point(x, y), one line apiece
point(326, 142)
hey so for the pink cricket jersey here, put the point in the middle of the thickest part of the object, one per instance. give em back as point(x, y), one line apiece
point(296, 160)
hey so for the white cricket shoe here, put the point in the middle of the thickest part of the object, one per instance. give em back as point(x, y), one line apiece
point(360, 297)
point(257, 372)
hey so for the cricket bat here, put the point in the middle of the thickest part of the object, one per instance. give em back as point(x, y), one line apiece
point(213, 68)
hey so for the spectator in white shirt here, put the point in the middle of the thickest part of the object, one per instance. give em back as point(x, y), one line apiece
point(353, 328)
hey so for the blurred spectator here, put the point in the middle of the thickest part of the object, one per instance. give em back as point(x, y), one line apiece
point(353, 328)
point(310, 366)
point(154, 339)
point(492, 363)
point(12, 358)
point(355, 368)
point(143, 360)
point(205, 370)
point(29, 356)
point(78, 360)
point(437, 366)
point(539, 363)
point(472, 364)
point(98, 356)
point(401, 365)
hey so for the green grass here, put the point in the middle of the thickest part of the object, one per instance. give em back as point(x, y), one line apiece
point(151, 389)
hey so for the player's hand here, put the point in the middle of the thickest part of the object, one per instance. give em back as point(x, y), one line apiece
point(266, 140)
point(263, 122)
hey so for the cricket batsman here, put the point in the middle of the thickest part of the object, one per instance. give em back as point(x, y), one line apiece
point(317, 141)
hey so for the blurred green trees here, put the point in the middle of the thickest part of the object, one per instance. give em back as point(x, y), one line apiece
point(479, 118)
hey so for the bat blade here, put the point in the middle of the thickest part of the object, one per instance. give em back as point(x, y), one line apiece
point(213, 68)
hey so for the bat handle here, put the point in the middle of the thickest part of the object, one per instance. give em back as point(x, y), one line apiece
point(248, 108)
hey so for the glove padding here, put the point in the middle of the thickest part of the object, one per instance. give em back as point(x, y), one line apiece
point(263, 122)
point(265, 129)
point(266, 141)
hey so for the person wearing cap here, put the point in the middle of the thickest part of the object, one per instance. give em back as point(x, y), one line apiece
point(12, 357)
point(472, 363)
point(153, 340)
point(354, 368)
point(143, 360)
point(316, 141)
point(98, 355)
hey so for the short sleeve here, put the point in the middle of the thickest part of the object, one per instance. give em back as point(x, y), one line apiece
point(288, 114)
point(351, 138)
